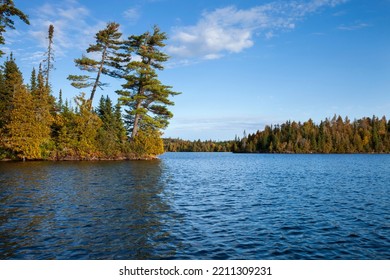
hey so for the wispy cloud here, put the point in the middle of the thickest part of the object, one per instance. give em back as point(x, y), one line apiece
point(74, 28)
point(34, 57)
point(215, 128)
point(232, 30)
point(132, 15)
point(354, 26)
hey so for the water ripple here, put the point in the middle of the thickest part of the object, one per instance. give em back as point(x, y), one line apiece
point(198, 206)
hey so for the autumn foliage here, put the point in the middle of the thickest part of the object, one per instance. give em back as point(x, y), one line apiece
point(36, 126)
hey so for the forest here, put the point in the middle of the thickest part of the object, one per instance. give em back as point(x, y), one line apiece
point(335, 135)
point(35, 125)
point(180, 145)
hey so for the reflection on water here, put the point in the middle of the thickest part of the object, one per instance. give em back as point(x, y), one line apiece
point(198, 206)
point(79, 210)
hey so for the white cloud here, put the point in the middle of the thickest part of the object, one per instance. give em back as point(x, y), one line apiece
point(232, 30)
point(35, 57)
point(73, 28)
point(132, 15)
point(355, 26)
point(222, 128)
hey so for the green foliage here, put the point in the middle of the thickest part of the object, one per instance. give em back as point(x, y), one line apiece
point(147, 144)
point(11, 78)
point(107, 43)
point(33, 80)
point(144, 96)
point(7, 11)
point(27, 134)
point(367, 135)
point(35, 126)
point(179, 145)
point(112, 134)
point(26, 119)
point(78, 131)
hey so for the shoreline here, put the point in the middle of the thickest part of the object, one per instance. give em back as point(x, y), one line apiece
point(140, 158)
point(151, 158)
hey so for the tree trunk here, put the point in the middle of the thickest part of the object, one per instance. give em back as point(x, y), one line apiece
point(98, 75)
point(136, 121)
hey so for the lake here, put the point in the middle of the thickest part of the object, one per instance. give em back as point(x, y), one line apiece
point(198, 206)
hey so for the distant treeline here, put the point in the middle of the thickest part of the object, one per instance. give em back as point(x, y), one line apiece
point(179, 145)
point(336, 135)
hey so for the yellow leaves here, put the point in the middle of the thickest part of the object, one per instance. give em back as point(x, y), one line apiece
point(29, 127)
point(147, 143)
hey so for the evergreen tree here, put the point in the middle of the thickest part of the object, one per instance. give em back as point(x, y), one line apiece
point(60, 102)
point(50, 55)
point(11, 79)
point(147, 143)
point(143, 94)
point(330, 136)
point(27, 134)
point(107, 43)
point(44, 106)
point(112, 135)
point(26, 117)
point(33, 80)
point(43, 90)
point(78, 133)
point(8, 10)
point(20, 131)
point(87, 125)
point(65, 137)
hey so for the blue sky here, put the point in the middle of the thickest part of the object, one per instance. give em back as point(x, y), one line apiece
point(239, 64)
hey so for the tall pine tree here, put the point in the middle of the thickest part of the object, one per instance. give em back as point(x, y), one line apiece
point(11, 79)
point(107, 43)
point(50, 55)
point(145, 97)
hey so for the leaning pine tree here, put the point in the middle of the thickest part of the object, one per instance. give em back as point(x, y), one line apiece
point(107, 43)
point(145, 97)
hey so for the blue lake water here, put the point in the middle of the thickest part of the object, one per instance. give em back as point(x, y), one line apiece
point(198, 206)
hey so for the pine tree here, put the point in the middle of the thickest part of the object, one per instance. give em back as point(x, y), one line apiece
point(50, 55)
point(147, 144)
point(27, 134)
point(107, 43)
point(60, 102)
point(78, 131)
point(143, 94)
point(11, 78)
point(20, 130)
point(44, 105)
point(65, 137)
point(44, 91)
point(119, 125)
point(112, 135)
point(87, 125)
point(26, 119)
point(33, 80)
point(8, 10)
